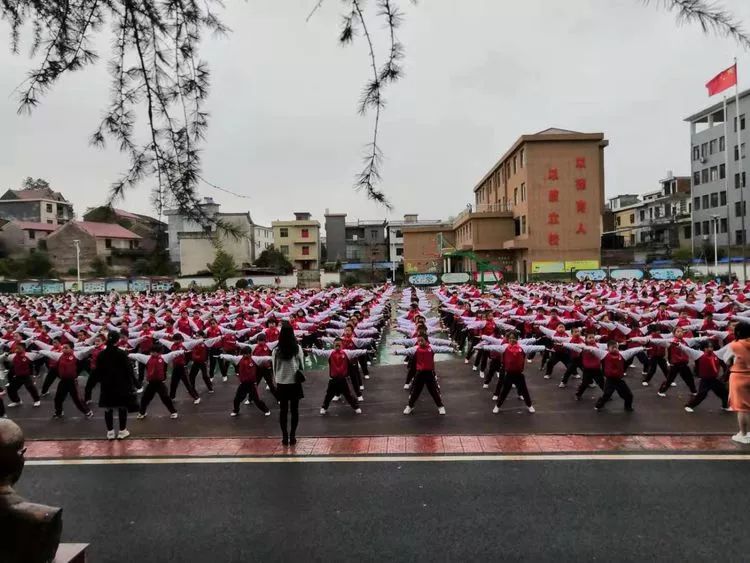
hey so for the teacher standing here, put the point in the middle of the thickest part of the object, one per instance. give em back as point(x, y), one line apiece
point(117, 382)
point(288, 366)
point(739, 381)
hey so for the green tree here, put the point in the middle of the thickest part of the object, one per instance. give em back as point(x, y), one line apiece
point(272, 258)
point(99, 267)
point(37, 265)
point(35, 184)
point(222, 268)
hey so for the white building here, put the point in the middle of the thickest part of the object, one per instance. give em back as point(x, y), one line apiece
point(263, 239)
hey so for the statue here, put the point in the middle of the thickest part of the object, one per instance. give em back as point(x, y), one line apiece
point(29, 533)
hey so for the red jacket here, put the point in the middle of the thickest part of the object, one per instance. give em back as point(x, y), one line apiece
point(262, 349)
point(614, 365)
point(425, 358)
point(338, 364)
point(590, 361)
point(676, 354)
point(179, 360)
point(247, 370)
point(707, 366)
point(228, 343)
point(156, 369)
point(199, 353)
point(514, 358)
point(67, 366)
point(21, 365)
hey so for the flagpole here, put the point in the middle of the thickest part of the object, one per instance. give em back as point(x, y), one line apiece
point(726, 181)
point(739, 168)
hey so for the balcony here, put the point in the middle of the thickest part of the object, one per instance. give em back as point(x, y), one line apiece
point(504, 207)
point(128, 252)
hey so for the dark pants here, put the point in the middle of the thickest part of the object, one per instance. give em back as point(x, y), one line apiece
point(16, 383)
point(178, 374)
point(612, 384)
point(156, 388)
point(590, 376)
point(425, 379)
point(109, 418)
point(684, 372)
point(266, 374)
point(213, 358)
point(141, 374)
point(411, 370)
point(2, 407)
point(246, 389)
point(573, 366)
point(554, 358)
point(339, 386)
point(91, 382)
point(495, 366)
point(49, 379)
point(68, 387)
point(473, 341)
point(362, 360)
point(656, 361)
point(710, 384)
point(481, 359)
point(519, 380)
point(641, 357)
point(203, 369)
point(355, 377)
point(284, 407)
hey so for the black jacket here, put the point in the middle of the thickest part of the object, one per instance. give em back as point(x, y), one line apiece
point(117, 382)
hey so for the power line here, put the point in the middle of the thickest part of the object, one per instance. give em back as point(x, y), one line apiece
point(214, 186)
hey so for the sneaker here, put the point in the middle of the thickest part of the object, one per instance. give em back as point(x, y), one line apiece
point(495, 397)
point(661, 394)
point(369, 363)
point(578, 376)
point(529, 361)
point(16, 404)
point(267, 413)
point(225, 379)
point(562, 385)
point(406, 386)
point(211, 391)
point(474, 368)
point(466, 361)
point(233, 413)
point(726, 409)
point(37, 403)
point(531, 409)
point(173, 415)
point(408, 410)
point(441, 410)
point(674, 384)
point(688, 409)
point(546, 376)
point(357, 411)
point(122, 434)
point(197, 401)
point(361, 387)
point(336, 398)
point(45, 393)
point(89, 414)
point(140, 416)
point(644, 373)
point(360, 399)
point(367, 377)
point(496, 410)
point(58, 416)
point(644, 383)
point(740, 438)
point(247, 401)
point(485, 386)
point(139, 390)
point(110, 434)
point(323, 411)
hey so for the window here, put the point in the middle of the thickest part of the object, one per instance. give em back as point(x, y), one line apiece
point(283, 232)
point(722, 198)
point(742, 123)
point(522, 157)
point(399, 251)
point(697, 203)
point(696, 178)
point(617, 221)
point(49, 221)
point(515, 196)
point(130, 245)
point(737, 151)
point(697, 228)
point(696, 152)
point(712, 146)
point(705, 202)
point(514, 165)
point(651, 213)
point(49, 208)
point(722, 171)
point(722, 144)
point(373, 233)
point(738, 238)
point(686, 232)
point(285, 250)
point(706, 228)
point(107, 243)
point(740, 209)
point(737, 180)
point(399, 234)
point(723, 225)
point(305, 251)
point(704, 150)
point(523, 192)
point(644, 236)
point(714, 199)
point(704, 175)
point(632, 218)
point(517, 226)
point(643, 215)
point(714, 171)
point(523, 224)
point(657, 212)
point(32, 235)
point(305, 233)
point(136, 244)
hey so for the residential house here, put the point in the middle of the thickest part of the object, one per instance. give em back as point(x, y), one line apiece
point(299, 240)
point(40, 205)
point(114, 244)
point(153, 232)
point(19, 238)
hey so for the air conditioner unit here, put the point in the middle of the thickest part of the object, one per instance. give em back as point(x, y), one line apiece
point(703, 160)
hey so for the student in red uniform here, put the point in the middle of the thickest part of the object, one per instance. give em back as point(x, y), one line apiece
point(199, 358)
point(52, 374)
point(678, 360)
point(94, 374)
point(20, 375)
point(613, 367)
point(574, 357)
point(67, 367)
point(178, 368)
point(338, 372)
point(424, 356)
point(656, 356)
point(247, 373)
point(708, 367)
point(591, 365)
point(228, 346)
point(265, 372)
point(213, 331)
point(156, 375)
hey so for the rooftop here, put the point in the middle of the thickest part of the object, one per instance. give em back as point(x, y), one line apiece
point(105, 230)
point(704, 113)
point(34, 195)
point(34, 226)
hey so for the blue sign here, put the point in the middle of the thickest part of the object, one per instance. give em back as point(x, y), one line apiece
point(626, 274)
point(423, 279)
point(666, 273)
point(591, 275)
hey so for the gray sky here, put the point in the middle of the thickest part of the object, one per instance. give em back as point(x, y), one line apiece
point(479, 73)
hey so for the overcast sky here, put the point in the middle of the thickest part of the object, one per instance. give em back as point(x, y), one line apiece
point(479, 73)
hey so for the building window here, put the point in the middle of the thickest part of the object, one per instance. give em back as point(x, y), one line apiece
point(714, 199)
point(737, 180)
point(722, 198)
point(714, 172)
point(742, 123)
point(704, 150)
point(523, 157)
point(285, 250)
point(107, 243)
point(697, 228)
point(49, 208)
point(737, 151)
point(697, 203)
point(523, 224)
point(515, 196)
point(642, 215)
point(644, 237)
point(49, 221)
point(305, 233)
point(705, 202)
point(651, 213)
point(283, 232)
point(399, 251)
point(32, 235)
point(696, 152)
point(109, 260)
point(523, 192)
point(514, 165)
point(712, 146)
point(657, 212)
point(706, 228)
point(723, 225)
point(722, 171)
point(130, 245)
point(696, 178)
point(399, 234)
point(722, 144)
point(373, 233)
point(738, 238)
point(739, 208)
point(617, 221)
point(686, 232)
point(704, 175)
point(632, 218)
point(305, 251)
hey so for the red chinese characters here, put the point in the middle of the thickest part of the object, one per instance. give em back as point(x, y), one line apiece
point(581, 230)
point(554, 195)
point(580, 162)
point(553, 239)
point(552, 174)
point(553, 219)
point(581, 184)
point(581, 206)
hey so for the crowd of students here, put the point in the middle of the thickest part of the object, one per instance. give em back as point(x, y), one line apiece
point(596, 332)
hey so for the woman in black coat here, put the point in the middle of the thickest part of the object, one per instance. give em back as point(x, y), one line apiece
point(117, 387)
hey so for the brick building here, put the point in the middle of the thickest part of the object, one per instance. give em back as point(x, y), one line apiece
point(22, 237)
point(113, 243)
point(41, 205)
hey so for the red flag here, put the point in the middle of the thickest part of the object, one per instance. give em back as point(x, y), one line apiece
point(725, 79)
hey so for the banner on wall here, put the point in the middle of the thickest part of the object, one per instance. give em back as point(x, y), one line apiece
point(120, 284)
point(666, 273)
point(490, 276)
point(31, 287)
point(94, 286)
point(626, 274)
point(547, 267)
point(423, 279)
point(161, 285)
point(139, 285)
point(53, 286)
point(455, 278)
point(591, 275)
point(581, 265)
